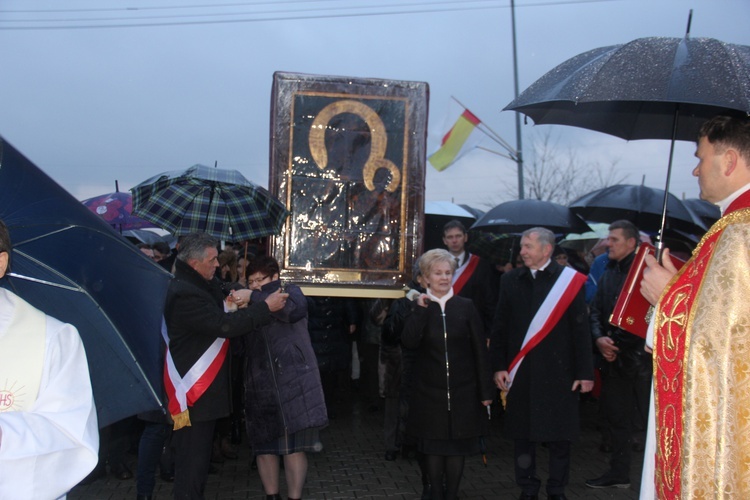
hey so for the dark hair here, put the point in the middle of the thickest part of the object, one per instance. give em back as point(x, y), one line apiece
point(4, 238)
point(558, 250)
point(727, 131)
point(162, 247)
point(228, 258)
point(264, 264)
point(453, 225)
point(194, 246)
point(628, 229)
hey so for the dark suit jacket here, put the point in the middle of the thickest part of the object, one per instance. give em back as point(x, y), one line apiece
point(540, 403)
point(195, 318)
point(481, 288)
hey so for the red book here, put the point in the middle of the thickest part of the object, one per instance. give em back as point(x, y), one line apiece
point(632, 311)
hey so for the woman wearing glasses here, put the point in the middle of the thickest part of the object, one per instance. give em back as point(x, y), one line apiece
point(284, 404)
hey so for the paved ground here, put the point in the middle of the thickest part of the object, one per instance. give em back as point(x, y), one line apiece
point(352, 466)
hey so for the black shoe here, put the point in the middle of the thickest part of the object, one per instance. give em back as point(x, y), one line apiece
point(608, 482)
point(121, 471)
point(426, 492)
point(98, 472)
point(525, 496)
point(390, 455)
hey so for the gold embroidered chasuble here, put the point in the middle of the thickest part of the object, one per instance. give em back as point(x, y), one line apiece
point(702, 367)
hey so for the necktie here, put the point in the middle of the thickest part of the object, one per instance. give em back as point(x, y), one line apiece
point(458, 262)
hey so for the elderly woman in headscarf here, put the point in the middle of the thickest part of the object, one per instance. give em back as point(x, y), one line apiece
point(452, 388)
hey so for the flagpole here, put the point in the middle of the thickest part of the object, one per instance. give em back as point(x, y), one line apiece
point(519, 147)
point(498, 153)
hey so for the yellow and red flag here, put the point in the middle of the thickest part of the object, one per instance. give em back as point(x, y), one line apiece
point(456, 141)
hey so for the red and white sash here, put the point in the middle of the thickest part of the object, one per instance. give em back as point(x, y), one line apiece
point(462, 274)
point(554, 306)
point(183, 392)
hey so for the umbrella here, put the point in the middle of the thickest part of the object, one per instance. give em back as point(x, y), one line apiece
point(496, 248)
point(69, 263)
point(650, 88)
point(586, 241)
point(149, 237)
point(641, 205)
point(117, 209)
point(519, 215)
point(703, 210)
point(217, 201)
point(633, 90)
point(439, 213)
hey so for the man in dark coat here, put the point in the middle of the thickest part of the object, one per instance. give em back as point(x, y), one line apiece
point(196, 321)
point(474, 277)
point(542, 403)
point(626, 370)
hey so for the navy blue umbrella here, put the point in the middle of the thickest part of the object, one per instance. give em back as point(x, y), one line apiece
point(69, 263)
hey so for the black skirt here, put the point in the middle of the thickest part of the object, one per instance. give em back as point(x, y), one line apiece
point(450, 447)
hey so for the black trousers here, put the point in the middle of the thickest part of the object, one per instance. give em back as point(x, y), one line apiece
point(626, 384)
point(525, 466)
point(192, 447)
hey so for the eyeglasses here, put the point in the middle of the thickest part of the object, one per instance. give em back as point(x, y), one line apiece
point(258, 281)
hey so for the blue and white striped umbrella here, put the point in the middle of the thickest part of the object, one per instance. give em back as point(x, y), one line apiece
point(217, 201)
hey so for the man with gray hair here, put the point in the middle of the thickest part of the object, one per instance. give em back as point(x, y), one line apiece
point(541, 355)
point(197, 369)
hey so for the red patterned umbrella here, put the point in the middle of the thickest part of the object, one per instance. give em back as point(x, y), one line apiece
point(117, 209)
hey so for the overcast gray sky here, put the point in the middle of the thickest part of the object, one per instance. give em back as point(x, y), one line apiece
point(94, 91)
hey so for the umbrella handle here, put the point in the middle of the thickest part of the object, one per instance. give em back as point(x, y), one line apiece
point(660, 238)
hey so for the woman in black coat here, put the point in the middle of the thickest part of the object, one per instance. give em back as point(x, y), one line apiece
point(284, 403)
point(453, 383)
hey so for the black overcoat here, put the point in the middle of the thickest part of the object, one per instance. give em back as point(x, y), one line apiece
point(195, 317)
point(463, 384)
point(540, 404)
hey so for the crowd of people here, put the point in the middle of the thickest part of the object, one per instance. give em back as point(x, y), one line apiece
point(525, 339)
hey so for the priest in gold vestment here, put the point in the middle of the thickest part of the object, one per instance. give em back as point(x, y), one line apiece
point(701, 338)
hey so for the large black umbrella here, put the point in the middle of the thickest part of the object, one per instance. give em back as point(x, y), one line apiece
point(641, 205)
point(707, 212)
point(69, 263)
point(217, 201)
point(496, 248)
point(519, 215)
point(650, 88)
point(635, 90)
point(496, 235)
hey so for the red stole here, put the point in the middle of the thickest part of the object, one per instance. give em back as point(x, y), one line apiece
point(674, 310)
point(471, 266)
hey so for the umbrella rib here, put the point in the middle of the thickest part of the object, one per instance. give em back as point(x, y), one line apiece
point(45, 282)
point(82, 290)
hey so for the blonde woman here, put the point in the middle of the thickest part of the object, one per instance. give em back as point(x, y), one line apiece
point(452, 378)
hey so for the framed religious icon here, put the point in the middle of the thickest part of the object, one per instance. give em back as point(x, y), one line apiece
point(348, 160)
